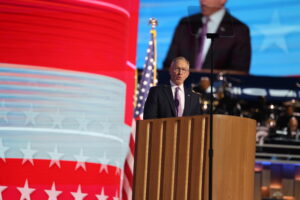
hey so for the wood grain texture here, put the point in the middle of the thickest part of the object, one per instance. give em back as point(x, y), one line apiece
point(234, 156)
point(172, 159)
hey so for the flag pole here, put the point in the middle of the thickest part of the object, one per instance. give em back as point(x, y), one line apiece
point(153, 22)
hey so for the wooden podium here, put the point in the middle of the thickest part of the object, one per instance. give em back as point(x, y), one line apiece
point(171, 158)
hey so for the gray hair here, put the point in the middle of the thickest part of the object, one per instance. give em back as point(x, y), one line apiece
point(180, 58)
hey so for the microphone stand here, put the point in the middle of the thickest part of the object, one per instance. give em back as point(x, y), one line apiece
point(211, 36)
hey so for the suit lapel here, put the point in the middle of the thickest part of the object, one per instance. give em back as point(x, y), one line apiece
point(187, 102)
point(226, 26)
point(225, 29)
point(169, 95)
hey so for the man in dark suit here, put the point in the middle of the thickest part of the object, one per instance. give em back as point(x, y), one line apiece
point(173, 100)
point(232, 50)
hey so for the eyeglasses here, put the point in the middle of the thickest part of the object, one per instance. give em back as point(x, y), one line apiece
point(177, 69)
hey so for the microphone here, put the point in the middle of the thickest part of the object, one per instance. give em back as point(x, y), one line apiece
point(212, 35)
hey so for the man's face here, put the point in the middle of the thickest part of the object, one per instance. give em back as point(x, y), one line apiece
point(209, 7)
point(179, 71)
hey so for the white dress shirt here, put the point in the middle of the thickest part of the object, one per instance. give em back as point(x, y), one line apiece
point(212, 27)
point(181, 91)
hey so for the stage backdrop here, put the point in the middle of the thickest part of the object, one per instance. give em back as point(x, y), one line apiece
point(274, 26)
point(67, 72)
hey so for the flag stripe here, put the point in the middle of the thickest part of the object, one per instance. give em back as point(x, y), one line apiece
point(131, 144)
point(127, 190)
point(129, 174)
point(130, 160)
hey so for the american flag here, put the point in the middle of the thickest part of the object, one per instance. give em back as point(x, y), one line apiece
point(148, 79)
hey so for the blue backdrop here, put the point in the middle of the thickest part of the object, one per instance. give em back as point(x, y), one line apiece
point(274, 25)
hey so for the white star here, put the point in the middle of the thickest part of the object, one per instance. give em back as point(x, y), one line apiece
point(118, 169)
point(116, 197)
point(2, 188)
point(28, 154)
point(105, 127)
point(101, 196)
point(30, 116)
point(53, 193)
point(57, 118)
point(25, 191)
point(55, 157)
point(3, 149)
point(275, 32)
point(83, 123)
point(81, 159)
point(79, 195)
point(104, 161)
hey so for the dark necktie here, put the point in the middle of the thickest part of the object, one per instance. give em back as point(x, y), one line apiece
point(178, 105)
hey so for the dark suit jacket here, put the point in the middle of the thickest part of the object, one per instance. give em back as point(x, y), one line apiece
point(160, 103)
point(232, 51)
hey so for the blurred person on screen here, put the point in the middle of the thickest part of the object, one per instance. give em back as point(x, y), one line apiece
point(288, 122)
point(161, 101)
point(203, 90)
point(232, 50)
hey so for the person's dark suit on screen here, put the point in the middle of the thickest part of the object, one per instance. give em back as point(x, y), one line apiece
point(230, 53)
point(160, 102)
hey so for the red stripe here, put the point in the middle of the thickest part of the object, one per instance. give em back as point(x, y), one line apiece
point(131, 144)
point(128, 174)
point(67, 179)
point(124, 194)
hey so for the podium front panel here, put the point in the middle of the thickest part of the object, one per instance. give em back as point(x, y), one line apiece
point(171, 158)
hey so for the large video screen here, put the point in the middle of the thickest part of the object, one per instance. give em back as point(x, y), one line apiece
point(274, 26)
point(67, 83)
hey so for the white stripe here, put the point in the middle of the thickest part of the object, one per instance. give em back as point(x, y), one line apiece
point(130, 64)
point(130, 160)
point(133, 136)
point(109, 5)
point(133, 129)
point(61, 131)
point(127, 188)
